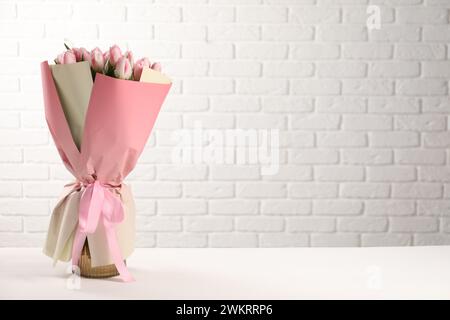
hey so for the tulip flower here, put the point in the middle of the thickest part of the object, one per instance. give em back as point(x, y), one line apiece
point(85, 55)
point(129, 55)
point(138, 66)
point(97, 62)
point(123, 69)
point(66, 58)
point(78, 52)
point(156, 66)
point(114, 55)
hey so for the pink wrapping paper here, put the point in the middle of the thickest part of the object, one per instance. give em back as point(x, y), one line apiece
point(119, 120)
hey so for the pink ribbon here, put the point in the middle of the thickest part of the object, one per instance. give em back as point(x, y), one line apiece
point(99, 204)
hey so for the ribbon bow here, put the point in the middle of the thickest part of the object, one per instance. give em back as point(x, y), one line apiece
point(99, 205)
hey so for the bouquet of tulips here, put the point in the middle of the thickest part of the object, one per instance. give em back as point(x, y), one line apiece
point(112, 62)
point(100, 109)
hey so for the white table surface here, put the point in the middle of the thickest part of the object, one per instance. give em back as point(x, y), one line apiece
point(284, 273)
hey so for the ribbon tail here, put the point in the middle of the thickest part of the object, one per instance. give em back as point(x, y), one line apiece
point(114, 248)
point(77, 247)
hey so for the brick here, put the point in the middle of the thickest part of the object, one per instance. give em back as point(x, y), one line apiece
point(414, 224)
point(224, 32)
point(413, 87)
point(313, 190)
point(393, 105)
point(311, 224)
point(315, 51)
point(208, 224)
point(259, 224)
point(315, 15)
point(386, 240)
point(233, 240)
point(315, 121)
point(314, 156)
point(396, 33)
point(90, 12)
point(391, 173)
point(362, 224)
point(236, 103)
point(156, 189)
point(158, 224)
point(335, 240)
point(181, 172)
point(366, 122)
point(215, 14)
point(207, 50)
point(233, 207)
point(257, 50)
point(337, 32)
point(362, 51)
point(373, 87)
point(421, 122)
point(284, 32)
point(391, 207)
point(353, 69)
point(341, 139)
point(397, 69)
point(10, 224)
point(365, 190)
point(28, 207)
point(394, 139)
point(416, 191)
point(181, 207)
point(420, 156)
point(176, 240)
point(235, 68)
point(337, 207)
point(262, 86)
point(341, 105)
point(431, 51)
point(261, 190)
point(154, 13)
point(261, 14)
point(366, 156)
point(208, 189)
point(316, 87)
point(286, 207)
point(275, 240)
point(286, 104)
point(427, 15)
point(341, 173)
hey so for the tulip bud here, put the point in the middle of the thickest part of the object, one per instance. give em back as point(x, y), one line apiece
point(138, 66)
point(85, 55)
point(129, 56)
point(78, 52)
point(114, 55)
point(97, 62)
point(123, 69)
point(156, 66)
point(66, 58)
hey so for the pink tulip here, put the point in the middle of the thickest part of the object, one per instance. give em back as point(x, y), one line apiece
point(156, 66)
point(85, 55)
point(66, 58)
point(138, 66)
point(123, 69)
point(129, 56)
point(105, 56)
point(97, 61)
point(78, 52)
point(114, 55)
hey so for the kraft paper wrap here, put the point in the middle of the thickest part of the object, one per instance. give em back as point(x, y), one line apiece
point(98, 127)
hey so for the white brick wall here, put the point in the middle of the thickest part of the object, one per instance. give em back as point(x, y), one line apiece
point(362, 118)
